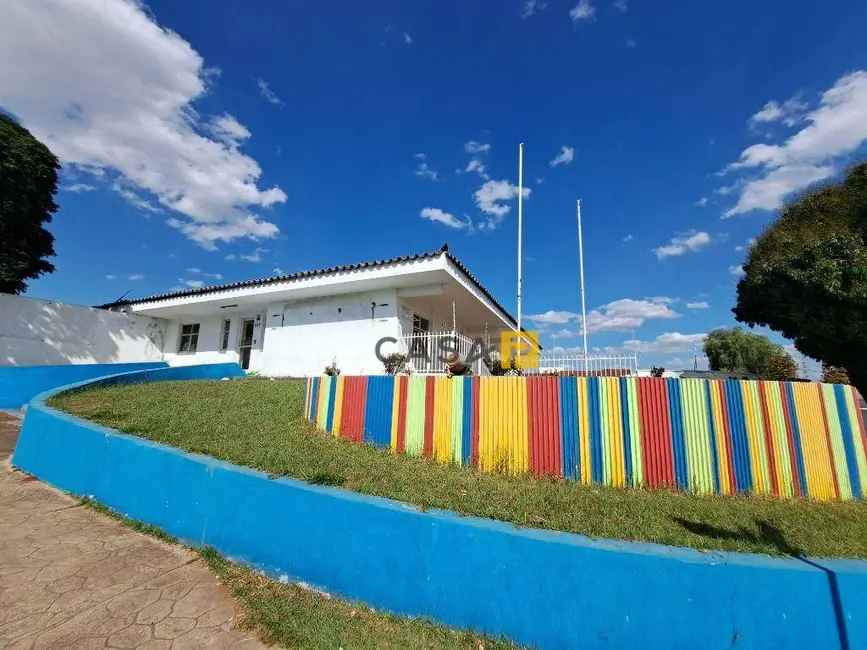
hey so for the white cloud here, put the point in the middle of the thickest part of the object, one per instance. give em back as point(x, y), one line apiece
point(767, 193)
point(531, 7)
point(618, 316)
point(268, 94)
point(110, 277)
point(697, 305)
point(277, 271)
point(690, 241)
point(112, 93)
point(407, 39)
point(255, 256)
point(424, 170)
point(702, 202)
point(215, 276)
point(789, 113)
point(490, 197)
point(630, 237)
point(631, 44)
point(188, 284)
point(135, 200)
point(539, 180)
point(229, 130)
point(835, 129)
point(554, 317)
point(79, 188)
point(439, 216)
point(135, 277)
point(750, 242)
point(737, 270)
point(476, 165)
point(621, 5)
point(566, 156)
point(668, 343)
point(582, 11)
point(473, 147)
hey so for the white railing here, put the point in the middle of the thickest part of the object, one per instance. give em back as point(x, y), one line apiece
point(592, 366)
point(427, 352)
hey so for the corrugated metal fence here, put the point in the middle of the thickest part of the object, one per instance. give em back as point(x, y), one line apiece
point(708, 436)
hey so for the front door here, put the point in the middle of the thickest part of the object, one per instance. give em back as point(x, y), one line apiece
point(246, 344)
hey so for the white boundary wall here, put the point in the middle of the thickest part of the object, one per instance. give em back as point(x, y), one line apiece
point(37, 332)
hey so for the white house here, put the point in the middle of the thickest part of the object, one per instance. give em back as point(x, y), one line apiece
point(294, 325)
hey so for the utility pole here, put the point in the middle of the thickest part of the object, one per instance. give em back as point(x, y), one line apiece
point(581, 264)
point(520, 232)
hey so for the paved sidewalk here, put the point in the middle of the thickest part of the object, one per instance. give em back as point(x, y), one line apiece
point(72, 578)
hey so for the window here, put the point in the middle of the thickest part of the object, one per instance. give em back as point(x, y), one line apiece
point(224, 341)
point(420, 325)
point(189, 338)
point(420, 330)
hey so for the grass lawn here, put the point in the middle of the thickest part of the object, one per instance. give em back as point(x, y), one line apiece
point(291, 617)
point(260, 424)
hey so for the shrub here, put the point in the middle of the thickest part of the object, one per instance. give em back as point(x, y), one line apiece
point(657, 371)
point(396, 364)
point(332, 370)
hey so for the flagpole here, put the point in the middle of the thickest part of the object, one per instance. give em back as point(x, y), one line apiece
point(581, 263)
point(520, 230)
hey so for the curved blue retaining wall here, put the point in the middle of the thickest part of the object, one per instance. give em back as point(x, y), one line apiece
point(20, 384)
point(553, 590)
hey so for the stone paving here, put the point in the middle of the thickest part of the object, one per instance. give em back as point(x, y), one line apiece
point(72, 578)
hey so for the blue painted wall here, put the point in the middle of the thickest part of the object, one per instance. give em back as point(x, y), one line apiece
point(20, 384)
point(553, 590)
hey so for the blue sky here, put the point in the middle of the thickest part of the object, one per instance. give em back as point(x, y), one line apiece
point(205, 143)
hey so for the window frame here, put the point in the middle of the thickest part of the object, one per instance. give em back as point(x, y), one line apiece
point(192, 335)
point(225, 334)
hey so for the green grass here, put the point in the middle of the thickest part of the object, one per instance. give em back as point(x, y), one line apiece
point(260, 424)
point(289, 616)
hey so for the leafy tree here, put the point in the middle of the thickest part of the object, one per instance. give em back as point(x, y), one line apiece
point(28, 183)
point(734, 350)
point(834, 375)
point(782, 367)
point(806, 275)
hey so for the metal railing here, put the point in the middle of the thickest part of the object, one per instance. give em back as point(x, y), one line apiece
point(592, 366)
point(427, 352)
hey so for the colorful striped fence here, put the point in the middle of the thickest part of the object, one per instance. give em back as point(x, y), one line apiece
point(708, 436)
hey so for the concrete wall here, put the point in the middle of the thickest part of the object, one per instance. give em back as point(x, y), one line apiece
point(304, 337)
point(39, 332)
point(547, 589)
point(18, 385)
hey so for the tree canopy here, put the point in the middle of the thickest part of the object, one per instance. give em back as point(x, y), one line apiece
point(806, 275)
point(734, 350)
point(28, 183)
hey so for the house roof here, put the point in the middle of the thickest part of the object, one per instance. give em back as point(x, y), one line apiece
point(314, 273)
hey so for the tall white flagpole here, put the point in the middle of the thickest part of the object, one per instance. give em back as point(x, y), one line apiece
point(581, 263)
point(520, 230)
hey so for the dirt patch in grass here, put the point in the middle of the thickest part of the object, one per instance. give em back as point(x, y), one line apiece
point(260, 424)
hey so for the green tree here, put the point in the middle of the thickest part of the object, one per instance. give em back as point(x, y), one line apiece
point(806, 275)
point(28, 183)
point(781, 367)
point(734, 350)
point(834, 375)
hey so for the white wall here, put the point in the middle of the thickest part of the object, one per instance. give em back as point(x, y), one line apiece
point(303, 337)
point(210, 340)
point(39, 332)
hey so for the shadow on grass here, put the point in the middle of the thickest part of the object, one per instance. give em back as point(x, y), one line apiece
point(771, 536)
point(767, 535)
